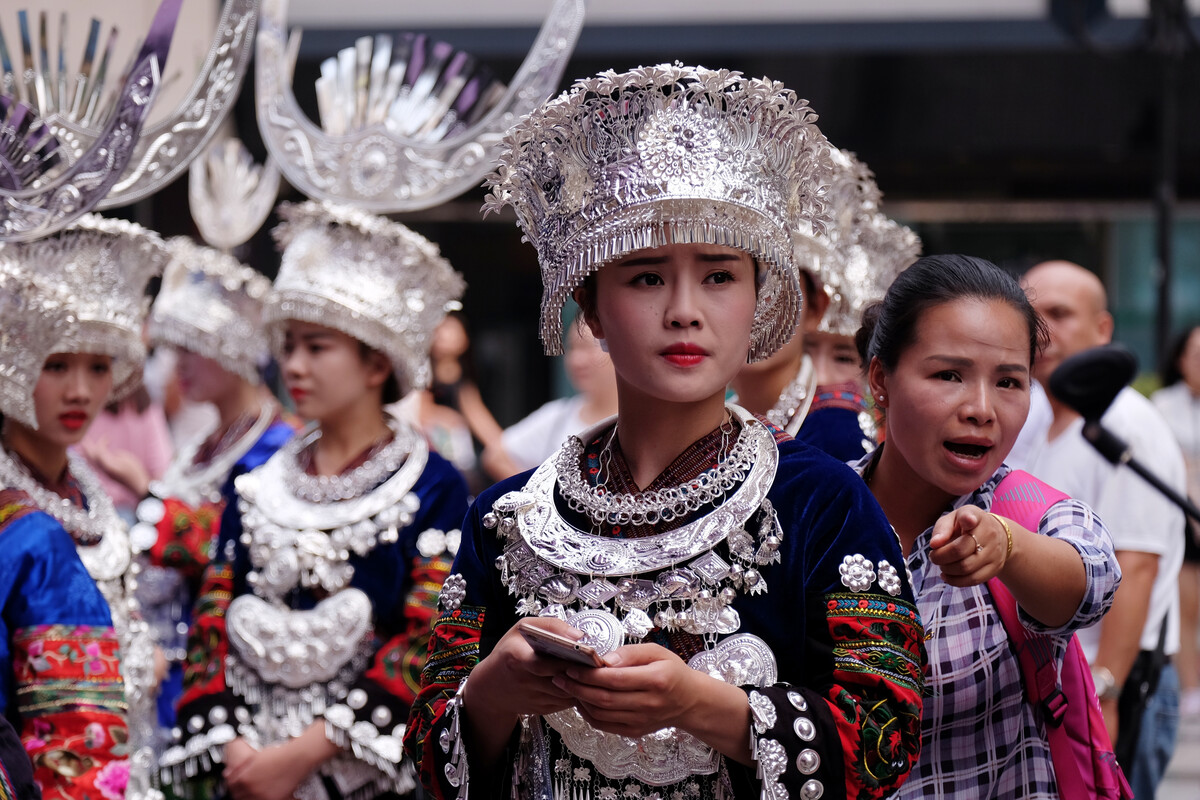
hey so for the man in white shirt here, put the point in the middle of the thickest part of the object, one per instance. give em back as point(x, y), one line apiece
point(1147, 529)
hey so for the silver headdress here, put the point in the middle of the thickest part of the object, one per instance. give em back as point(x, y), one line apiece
point(105, 153)
point(407, 123)
point(852, 197)
point(100, 267)
point(883, 249)
point(854, 258)
point(623, 162)
point(35, 319)
point(365, 276)
point(211, 304)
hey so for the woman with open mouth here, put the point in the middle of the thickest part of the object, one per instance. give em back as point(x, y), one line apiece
point(80, 671)
point(949, 352)
point(683, 601)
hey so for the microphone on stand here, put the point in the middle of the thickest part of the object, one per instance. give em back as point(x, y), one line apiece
point(1088, 382)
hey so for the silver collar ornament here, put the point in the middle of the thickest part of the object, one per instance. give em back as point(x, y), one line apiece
point(296, 542)
point(89, 155)
point(407, 124)
point(661, 155)
point(368, 277)
point(100, 267)
point(617, 590)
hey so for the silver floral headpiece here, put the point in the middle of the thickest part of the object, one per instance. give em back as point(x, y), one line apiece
point(660, 155)
point(211, 304)
point(100, 267)
point(365, 276)
point(35, 320)
point(882, 250)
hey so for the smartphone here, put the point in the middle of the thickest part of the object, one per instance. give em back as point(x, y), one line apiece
point(555, 645)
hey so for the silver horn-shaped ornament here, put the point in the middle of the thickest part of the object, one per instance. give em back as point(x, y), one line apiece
point(72, 104)
point(407, 123)
point(47, 178)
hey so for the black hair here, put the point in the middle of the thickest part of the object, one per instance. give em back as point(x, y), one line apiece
point(391, 386)
point(888, 327)
point(1171, 374)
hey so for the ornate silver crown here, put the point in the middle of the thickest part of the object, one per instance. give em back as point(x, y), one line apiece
point(105, 154)
point(365, 276)
point(35, 320)
point(211, 304)
point(100, 267)
point(408, 123)
point(622, 162)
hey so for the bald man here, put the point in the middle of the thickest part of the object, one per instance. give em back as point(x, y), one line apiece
point(1147, 529)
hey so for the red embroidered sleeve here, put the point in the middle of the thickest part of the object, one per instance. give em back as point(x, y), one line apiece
point(186, 536)
point(204, 673)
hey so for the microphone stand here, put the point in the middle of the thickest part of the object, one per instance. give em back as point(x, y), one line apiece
point(1113, 448)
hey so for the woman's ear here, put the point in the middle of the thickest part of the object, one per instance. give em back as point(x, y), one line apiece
point(379, 368)
point(587, 312)
point(877, 380)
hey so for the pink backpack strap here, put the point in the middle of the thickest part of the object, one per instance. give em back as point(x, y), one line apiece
point(1024, 499)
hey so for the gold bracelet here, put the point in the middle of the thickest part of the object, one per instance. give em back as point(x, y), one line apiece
point(1007, 532)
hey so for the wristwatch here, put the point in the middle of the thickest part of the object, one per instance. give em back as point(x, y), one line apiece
point(1105, 683)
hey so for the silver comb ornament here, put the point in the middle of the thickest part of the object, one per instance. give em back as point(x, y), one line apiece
point(407, 122)
point(123, 159)
point(229, 195)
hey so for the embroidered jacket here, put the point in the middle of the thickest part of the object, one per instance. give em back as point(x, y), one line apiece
point(839, 715)
point(60, 662)
point(363, 653)
point(839, 422)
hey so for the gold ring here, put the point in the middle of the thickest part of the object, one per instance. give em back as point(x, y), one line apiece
point(978, 546)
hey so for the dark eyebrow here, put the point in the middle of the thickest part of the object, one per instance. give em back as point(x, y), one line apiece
point(643, 261)
point(954, 361)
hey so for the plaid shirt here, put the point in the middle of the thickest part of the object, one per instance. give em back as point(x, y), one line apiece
point(979, 738)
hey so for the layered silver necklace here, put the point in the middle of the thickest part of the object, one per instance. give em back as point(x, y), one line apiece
point(86, 525)
point(655, 505)
point(329, 488)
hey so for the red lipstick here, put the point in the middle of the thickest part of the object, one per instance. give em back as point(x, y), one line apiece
point(684, 354)
point(73, 420)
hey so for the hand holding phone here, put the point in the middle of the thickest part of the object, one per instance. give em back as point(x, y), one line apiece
point(556, 645)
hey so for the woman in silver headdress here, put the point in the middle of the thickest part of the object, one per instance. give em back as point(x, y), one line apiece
point(209, 309)
point(312, 628)
point(77, 665)
point(663, 199)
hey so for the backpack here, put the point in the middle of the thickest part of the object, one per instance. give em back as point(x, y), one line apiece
point(1084, 764)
